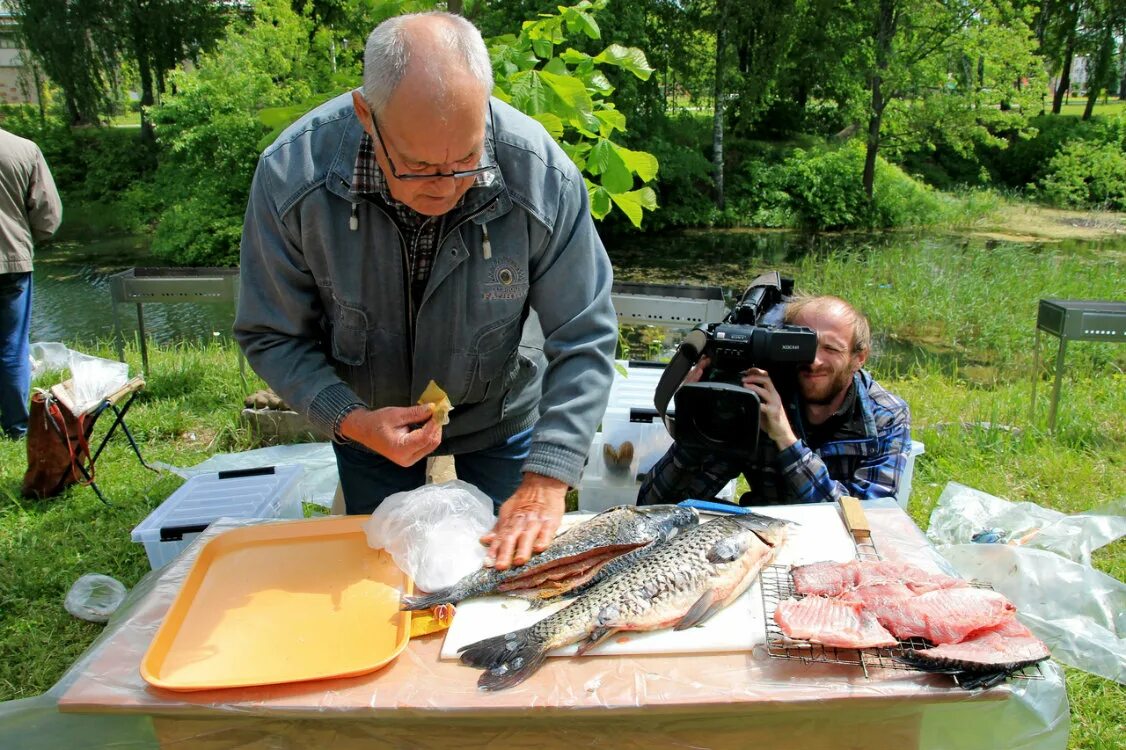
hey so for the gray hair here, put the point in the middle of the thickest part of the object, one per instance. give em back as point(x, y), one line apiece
point(390, 46)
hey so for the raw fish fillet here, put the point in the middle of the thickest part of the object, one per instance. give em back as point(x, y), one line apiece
point(1007, 647)
point(831, 622)
point(825, 578)
point(878, 596)
point(943, 616)
point(835, 578)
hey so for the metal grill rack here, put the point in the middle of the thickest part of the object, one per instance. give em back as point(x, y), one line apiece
point(778, 585)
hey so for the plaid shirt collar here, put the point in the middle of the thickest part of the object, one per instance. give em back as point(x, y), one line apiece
point(368, 177)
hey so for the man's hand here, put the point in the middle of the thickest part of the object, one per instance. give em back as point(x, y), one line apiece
point(697, 370)
point(391, 432)
point(772, 416)
point(527, 521)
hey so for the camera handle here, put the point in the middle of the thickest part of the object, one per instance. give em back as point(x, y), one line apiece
point(687, 354)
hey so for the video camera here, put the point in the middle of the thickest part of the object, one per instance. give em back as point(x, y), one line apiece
point(718, 413)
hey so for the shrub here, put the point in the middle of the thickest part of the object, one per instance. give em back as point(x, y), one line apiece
point(825, 187)
point(1087, 174)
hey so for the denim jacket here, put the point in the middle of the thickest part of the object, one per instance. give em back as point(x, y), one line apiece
point(516, 322)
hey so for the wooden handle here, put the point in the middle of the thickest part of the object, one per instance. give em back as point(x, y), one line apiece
point(855, 518)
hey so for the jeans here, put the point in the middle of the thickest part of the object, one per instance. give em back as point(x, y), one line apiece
point(368, 478)
point(15, 367)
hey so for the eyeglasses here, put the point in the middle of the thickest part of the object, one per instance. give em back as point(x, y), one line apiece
point(457, 174)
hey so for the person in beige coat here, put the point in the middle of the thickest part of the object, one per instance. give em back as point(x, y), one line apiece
point(30, 211)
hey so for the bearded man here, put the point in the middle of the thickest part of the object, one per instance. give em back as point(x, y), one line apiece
point(840, 434)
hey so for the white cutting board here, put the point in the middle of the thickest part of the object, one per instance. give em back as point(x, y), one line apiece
point(821, 535)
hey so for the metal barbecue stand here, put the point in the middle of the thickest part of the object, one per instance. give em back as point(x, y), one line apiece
point(141, 285)
point(1074, 320)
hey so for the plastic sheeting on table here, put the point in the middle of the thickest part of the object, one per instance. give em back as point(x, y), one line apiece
point(733, 700)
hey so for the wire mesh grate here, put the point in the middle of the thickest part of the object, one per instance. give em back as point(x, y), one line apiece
point(778, 586)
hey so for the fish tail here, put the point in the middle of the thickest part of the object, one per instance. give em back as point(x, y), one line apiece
point(426, 601)
point(507, 659)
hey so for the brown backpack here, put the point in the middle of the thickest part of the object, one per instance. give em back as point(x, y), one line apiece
point(57, 445)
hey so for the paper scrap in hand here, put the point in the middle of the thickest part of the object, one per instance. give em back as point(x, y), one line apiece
point(439, 403)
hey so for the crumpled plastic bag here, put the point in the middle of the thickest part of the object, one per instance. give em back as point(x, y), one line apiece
point(1079, 612)
point(963, 513)
point(94, 597)
point(433, 533)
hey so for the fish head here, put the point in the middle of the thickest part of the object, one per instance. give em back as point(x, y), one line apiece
point(669, 520)
point(770, 530)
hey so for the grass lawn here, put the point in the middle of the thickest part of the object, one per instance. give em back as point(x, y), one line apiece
point(966, 309)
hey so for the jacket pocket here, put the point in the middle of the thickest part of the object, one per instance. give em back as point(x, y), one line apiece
point(495, 354)
point(349, 334)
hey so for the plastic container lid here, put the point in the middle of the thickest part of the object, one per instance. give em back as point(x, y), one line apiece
point(244, 493)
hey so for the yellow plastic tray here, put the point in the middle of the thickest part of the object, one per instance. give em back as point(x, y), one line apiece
point(280, 603)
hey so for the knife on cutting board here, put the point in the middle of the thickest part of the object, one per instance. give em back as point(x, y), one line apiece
point(855, 519)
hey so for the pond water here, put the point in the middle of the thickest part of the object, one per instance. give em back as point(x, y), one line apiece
point(72, 295)
point(73, 304)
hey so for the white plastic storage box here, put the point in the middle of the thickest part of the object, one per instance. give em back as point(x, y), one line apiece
point(604, 485)
point(904, 492)
point(267, 492)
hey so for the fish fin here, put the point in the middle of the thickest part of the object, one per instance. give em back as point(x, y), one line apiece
point(706, 606)
point(596, 637)
point(426, 601)
point(727, 550)
point(507, 659)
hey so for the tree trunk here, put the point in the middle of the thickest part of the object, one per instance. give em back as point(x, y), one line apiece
point(455, 6)
point(885, 32)
point(1122, 63)
point(717, 120)
point(72, 109)
point(1065, 75)
point(144, 67)
point(1099, 71)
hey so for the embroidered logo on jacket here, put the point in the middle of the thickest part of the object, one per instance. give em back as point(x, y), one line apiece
point(506, 281)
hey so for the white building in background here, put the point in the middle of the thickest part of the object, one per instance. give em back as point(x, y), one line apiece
point(17, 80)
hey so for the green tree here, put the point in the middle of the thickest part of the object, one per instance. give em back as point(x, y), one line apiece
point(918, 79)
point(160, 35)
point(568, 92)
point(209, 132)
point(74, 42)
point(1103, 18)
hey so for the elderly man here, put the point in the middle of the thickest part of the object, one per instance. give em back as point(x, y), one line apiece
point(841, 434)
point(420, 230)
point(30, 212)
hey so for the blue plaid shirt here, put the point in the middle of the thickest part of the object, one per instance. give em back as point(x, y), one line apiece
point(864, 458)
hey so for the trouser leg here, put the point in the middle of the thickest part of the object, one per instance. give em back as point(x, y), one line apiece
point(15, 368)
point(496, 471)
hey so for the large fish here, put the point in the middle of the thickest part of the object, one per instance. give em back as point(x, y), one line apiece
point(572, 558)
point(679, 583)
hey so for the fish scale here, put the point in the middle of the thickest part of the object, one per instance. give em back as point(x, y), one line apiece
point(683, 580)
point(573, 557)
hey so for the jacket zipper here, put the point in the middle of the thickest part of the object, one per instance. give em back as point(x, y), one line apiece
point(407, 272)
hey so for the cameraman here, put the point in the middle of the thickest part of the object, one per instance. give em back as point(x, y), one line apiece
point(840, 434)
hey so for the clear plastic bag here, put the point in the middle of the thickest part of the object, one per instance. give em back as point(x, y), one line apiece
point(433, 532)
point(1040, 559)
point(94, 597)
point(965, 515)
point(94, 378)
